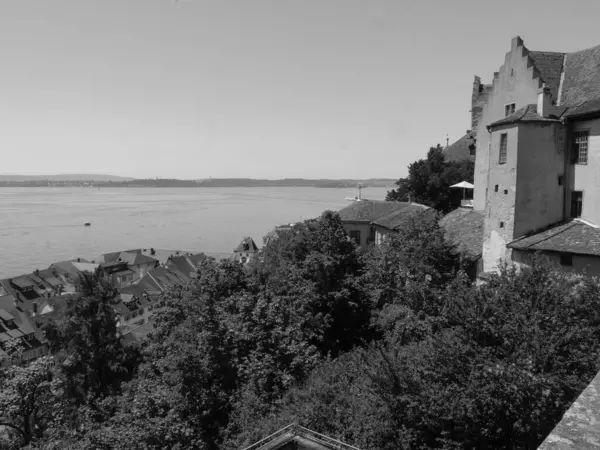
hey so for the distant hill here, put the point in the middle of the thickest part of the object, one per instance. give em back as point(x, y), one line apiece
point(114, 181)
point(65, 177)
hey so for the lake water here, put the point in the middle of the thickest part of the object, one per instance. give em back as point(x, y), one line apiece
point(39, 226)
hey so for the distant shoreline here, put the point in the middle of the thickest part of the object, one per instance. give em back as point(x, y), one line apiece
point(213, 183)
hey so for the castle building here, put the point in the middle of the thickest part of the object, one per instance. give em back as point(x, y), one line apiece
point(537, 164)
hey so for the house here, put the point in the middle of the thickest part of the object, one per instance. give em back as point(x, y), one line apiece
point(537, 159)
point(391, 223)
point(118, 273)
point(360, 217)
point(463, 228)
point(68, 272)
point(246, 251)
point(16, 324)
point(139, 263)
point(134, 305)
point(133, 336)
point(295, 437)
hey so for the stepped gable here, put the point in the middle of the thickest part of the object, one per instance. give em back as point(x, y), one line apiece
point(581, 77)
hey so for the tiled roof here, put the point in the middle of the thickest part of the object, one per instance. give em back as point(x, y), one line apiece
point(23, 282)
point(574, 236)
point(85, 267)
point(550, 65)
point(529, 114)
point(197, 258)
point(581, 76)
point(251, 246)
point(464, 228)
point(397, 218)
point(135, 259)
point(181, 264)
point(460, 150)
point(162, 255)
point(369, 210)
point(588, 107)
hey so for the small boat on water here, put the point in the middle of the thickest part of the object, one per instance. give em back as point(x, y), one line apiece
point(87, 224)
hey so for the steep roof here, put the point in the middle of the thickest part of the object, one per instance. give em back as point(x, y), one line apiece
point(574, 236)
point(581, 76)
point(529, 114)
point(550, 65)
point(396, 219)
point(464, 228)
point(369, 210)
point(461, 149)
point(246, 246)
point(295, 437)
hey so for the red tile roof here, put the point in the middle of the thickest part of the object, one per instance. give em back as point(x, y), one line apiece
point(574, 236)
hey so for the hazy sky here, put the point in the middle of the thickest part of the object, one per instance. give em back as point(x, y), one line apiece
point(254, 88)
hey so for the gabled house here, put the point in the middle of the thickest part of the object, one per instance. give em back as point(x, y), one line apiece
point(367, 222)
point(538, 156)
point(134, 305)
point(295, 437)
point(139, 263)
point(246, 251)
point(118, 273)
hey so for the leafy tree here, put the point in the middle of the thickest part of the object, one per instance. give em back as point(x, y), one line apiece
point(28, 399)
point(429, 181)
point(96, 362)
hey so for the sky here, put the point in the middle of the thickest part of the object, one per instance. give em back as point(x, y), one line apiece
point(254, 88)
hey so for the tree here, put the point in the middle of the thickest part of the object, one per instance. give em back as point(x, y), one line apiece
point(28, 399)
point(429, 181)
point(96, 363)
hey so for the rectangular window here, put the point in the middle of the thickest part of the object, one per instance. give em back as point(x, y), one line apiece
point(509, 109)
point(580, 146)
point(576, 203)
point(503, 145)
point(496, 188)
point(501, 224)
point(566, 259)
point(355, 236)
point(561, 180)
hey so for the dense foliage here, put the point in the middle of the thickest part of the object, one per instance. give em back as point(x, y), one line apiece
point(393, 348)
point(429, 180)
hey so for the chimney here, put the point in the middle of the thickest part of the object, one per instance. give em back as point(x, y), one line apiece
point(544, 101)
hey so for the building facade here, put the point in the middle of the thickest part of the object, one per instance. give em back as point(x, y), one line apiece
point(537, 163)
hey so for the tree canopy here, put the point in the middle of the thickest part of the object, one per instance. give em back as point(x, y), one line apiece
point(429, 180)
point(389, 349)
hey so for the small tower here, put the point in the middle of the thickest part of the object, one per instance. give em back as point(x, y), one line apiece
point(246, 251)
